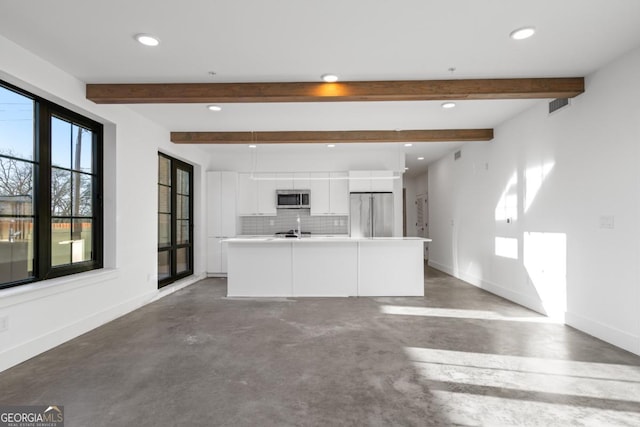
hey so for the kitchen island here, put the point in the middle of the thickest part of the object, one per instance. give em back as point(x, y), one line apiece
point(325, 267)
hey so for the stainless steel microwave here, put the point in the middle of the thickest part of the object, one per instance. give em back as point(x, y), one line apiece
point(293, 199)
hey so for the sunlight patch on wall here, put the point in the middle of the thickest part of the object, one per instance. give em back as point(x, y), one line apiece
point(545, 259)
point(506, 247)
point(507, 207)
point(533, 178)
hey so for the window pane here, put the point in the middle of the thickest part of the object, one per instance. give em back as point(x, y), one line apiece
point(164, 170)
point(164, 199)
point(16, 187)
point(60, 242)
point(182, 260)
point(16, 249)
point(183, 182)
point(182, 232)
point(82, 149)
point(60, 143)
point(60, 192)
point(182, 207)
point(16, 125)
point(164, 230)
point(164, 265)
point(82, 235)
point(82, 194)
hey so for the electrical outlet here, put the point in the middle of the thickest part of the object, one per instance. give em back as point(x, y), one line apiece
point(607, 221)
point(271, 222)
point(4, 323)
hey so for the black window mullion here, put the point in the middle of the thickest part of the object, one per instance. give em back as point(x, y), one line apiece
point(174, 197)
point(43, 192)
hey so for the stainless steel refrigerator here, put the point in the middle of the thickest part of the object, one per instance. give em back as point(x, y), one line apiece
point(371, 215)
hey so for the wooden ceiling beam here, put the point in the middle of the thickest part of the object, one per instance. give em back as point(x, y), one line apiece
point(407, 90)
point(337, 137)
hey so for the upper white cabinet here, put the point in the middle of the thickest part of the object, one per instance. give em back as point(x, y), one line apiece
point(301, 181)
point(370, 180)
point(329, 193)
point(221, 203)
point(339, 193)
point(257, 193)
point(284, 181)
point(292, 181)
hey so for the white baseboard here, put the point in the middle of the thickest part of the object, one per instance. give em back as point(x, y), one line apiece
point(26, 350)
point(604, 332)
point(592, 327)
point(517, 297)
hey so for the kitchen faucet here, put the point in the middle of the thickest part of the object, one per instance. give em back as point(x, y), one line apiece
point(299, 231)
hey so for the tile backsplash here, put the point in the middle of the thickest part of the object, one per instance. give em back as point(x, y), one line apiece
point(286, 220)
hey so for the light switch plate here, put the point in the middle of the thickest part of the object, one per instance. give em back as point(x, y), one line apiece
point(607, 221)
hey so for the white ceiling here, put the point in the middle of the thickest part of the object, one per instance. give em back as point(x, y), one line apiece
point(296, 40)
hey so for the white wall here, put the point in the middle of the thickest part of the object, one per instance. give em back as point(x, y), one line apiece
point(554, 178)
point(45, 314)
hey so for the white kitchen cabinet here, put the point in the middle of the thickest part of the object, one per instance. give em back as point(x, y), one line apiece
point(319, 186)
point(284, 181)
point(257, 196)
point(359, 181)
point(267, 194)
point(329, 193)
point(380, 180)
point(292, 181)
point(221, 218)
point(339, 193)
point(221, 203)
point(301, 181)
point(247, 195)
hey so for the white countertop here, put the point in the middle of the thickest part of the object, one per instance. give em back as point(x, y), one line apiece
point(318, 239)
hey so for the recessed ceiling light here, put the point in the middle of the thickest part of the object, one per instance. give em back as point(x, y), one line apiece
point(522, 33)
point(147, 39)
point(447, 105)
point(408, 145)
point(420, 158)
point(331, 145)
point(330, 78)
point(252, 146)
point(214, 107)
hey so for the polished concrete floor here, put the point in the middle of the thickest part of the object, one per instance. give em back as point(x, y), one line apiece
point(459, 356)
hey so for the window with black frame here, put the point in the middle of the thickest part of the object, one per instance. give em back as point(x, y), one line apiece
point(50, 189)
point(175, 219)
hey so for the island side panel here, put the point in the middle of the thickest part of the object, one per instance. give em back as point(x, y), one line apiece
point(325, 269)
point(259, 269)
point(391, 268)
